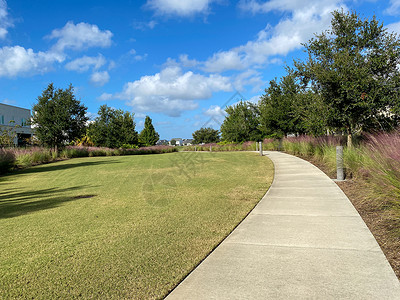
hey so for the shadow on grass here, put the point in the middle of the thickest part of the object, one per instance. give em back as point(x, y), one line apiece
point(14, 203)
point(57, 167)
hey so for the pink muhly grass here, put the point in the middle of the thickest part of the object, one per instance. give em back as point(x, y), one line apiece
point(384, 149)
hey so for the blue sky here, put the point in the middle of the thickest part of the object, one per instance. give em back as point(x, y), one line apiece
point(178, 61)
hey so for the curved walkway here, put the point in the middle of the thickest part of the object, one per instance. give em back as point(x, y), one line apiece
point(303, 240)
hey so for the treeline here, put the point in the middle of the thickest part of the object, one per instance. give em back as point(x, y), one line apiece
point(59, 119)
point(349, 84)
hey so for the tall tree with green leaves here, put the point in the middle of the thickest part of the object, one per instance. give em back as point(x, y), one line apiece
point(58, 117)
point(148, 136)
point(113, 128)
point(354, 67)
point(241, 123)
point(277, 108)
point(206, 135)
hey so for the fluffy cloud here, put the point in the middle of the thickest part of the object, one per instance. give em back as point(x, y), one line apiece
point(105, 97)
point(80, 36)
point(179, 7)
point(305, 18)
point(4, 21)
point(145, 25)
point(248, 78)
point(171, 91)
point(394, 7)
point(394, 27)
point(18, 60)
point(99, 78)
point(225, 60)
point(215, 111)
point(83, 64)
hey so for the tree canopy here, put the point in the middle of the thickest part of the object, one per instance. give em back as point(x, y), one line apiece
point(148, 136)
point(241, 123)
point(354, 67)
point(113, 128)
point(58, 117)
point(206, 135)
point(277, 108)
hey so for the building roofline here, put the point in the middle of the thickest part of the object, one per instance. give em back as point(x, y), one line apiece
point(15, 106)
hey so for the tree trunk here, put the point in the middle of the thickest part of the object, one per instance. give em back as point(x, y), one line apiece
point(349, 138)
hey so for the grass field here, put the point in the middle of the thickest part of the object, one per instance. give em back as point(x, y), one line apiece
point(120, 227)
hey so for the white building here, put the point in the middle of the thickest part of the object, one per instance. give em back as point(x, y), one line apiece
point(178, 142)
point(10, 117)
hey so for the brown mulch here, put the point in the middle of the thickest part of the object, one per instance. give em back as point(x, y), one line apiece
point(375, 210)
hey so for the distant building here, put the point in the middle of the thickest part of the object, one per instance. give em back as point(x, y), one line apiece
point(178, 142)
point(17, 117)
point(162, 142)
point(187, 142)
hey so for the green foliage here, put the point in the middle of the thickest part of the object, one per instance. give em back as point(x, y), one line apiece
point(241, 123)
point(59, 118)
point(8, 135)
point(278, 108)
point(354, 67)
point(206, 135)
point(113, 128)
point(148, 136)
point(7, 160)
point(312, 112)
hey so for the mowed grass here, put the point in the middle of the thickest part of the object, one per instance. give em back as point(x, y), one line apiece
point(120, 227)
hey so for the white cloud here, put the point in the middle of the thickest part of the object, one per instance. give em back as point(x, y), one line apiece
point(248, 78)
point(80, 36)
point(145, 25)
point(394, 7)
point(83, 64)
point(305, 18)
point(5, 23)
point(105, 97)
point(136, 57)
point(99, 78)
point(171, 91)
point(140, 57)
point(255, 99)
point(186, 62)
point(179, 7)
point(17, 60)
point(394, 27)
point(225, 60)
point(282, 5)
point(215, 111)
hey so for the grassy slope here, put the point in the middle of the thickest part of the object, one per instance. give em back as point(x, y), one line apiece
point(120, 227)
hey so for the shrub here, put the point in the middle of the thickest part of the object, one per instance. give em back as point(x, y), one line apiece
point(7, 160)
point(384, 151)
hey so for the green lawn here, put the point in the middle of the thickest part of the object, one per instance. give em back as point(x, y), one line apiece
point(123, 226)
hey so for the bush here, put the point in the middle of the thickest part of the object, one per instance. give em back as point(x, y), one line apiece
point(27, 157)
point(7, 160)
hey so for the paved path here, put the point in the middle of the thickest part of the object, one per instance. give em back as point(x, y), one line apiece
point(303, 240)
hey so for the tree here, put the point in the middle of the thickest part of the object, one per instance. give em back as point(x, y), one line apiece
point(241, 123)
point(8, 135)
point(206, 135)
point(148, 136)
point(313, 113)
point(113, 128)
point(277, 108)
point(354, 67)
point(58, 117)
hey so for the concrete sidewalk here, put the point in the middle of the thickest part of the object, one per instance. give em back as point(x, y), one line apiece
point(303, 240)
